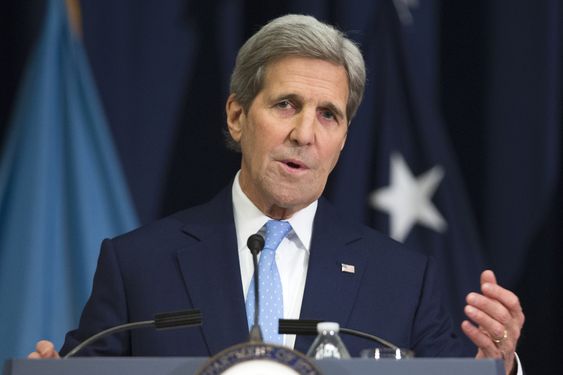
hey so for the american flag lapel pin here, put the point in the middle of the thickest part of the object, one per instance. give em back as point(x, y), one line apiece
point(348, 268)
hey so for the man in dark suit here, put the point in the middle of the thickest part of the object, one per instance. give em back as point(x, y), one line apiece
point(295, 88)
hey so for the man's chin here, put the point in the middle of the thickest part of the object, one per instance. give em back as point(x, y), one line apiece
point(295, 201)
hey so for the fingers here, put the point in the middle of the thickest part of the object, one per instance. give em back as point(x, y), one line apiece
point(488, 313)
point(44, 349)
point(506, 298)
point(498, 318)
point(488, 276)
point(487, 349)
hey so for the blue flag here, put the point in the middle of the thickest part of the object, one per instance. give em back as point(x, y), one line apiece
point(398, 172)
point(61, 192)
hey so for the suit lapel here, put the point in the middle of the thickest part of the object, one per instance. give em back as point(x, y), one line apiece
point(211, 272)
point(210, 268)
point(330, 293)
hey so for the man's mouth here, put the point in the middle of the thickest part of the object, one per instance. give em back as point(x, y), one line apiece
point(295, 164)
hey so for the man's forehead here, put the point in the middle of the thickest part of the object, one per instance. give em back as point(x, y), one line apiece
point(288, 77)
point(288, 59)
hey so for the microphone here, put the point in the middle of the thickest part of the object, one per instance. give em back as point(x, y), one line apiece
point(255, 244)
point(177, 319)
point(309, 327)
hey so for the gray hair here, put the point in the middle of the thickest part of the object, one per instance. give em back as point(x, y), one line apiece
point(296, 35)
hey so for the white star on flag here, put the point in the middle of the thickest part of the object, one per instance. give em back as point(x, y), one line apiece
point(408, 200)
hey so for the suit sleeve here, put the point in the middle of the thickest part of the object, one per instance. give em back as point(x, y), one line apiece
point(106, 307)
point(433, 335)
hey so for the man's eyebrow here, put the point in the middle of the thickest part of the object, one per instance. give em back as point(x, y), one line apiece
point(289, 96)
point(299, 99)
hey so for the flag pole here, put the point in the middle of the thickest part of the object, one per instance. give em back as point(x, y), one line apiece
point(75, 16)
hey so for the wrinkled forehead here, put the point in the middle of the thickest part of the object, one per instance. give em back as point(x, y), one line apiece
point(264, 72)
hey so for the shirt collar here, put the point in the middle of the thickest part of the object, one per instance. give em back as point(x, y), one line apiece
point(249, 219)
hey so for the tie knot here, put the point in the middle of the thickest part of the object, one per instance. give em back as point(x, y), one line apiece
point(276, 230)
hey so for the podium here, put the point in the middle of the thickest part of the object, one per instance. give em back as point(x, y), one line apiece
point(187, 366)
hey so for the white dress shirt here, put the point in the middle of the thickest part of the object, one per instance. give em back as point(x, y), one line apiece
point(292, 255)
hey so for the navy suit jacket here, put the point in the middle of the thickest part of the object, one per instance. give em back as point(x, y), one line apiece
point(190, 260)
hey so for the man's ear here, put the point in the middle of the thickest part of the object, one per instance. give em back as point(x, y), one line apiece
point(235, 117)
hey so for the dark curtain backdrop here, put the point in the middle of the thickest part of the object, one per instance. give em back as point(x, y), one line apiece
point(493, 72)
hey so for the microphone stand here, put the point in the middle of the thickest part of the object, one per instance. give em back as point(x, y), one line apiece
point(188, 318)
point(255, 243)
point(309, 327)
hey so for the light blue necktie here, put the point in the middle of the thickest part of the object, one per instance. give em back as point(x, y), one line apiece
point(271, 297)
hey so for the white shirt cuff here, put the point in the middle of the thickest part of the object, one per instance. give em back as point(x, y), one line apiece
point(520, 371)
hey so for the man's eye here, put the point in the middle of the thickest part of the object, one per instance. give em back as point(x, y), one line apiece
point(284, 104)
point(328, 115)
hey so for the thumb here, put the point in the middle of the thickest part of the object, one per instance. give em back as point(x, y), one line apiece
point(488, 276)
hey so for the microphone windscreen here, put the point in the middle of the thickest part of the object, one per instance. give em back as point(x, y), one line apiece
point(185, 318)
point(255, 243)
point(298, 326)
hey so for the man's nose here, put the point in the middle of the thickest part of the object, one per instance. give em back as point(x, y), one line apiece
point(303, 132)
